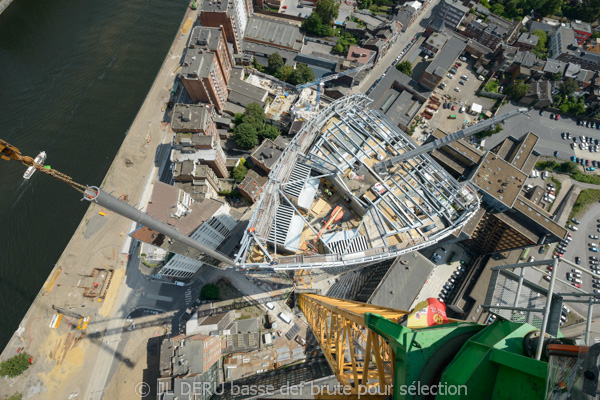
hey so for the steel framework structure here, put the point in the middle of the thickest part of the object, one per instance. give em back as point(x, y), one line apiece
point(355, 134)
point(357, 355)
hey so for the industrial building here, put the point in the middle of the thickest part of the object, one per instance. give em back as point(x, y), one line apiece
point(325, 204)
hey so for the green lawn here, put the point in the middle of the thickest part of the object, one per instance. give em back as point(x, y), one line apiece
point(586, 197)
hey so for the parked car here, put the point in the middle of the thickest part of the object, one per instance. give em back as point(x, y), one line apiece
point(457, 89)
point(576, 221)
point(481, 78)
point(463, 58)
point(573, 228)
point(577, 260)
point(594, 249)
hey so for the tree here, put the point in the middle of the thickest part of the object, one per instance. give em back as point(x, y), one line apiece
point(518, 89)
point(327, 10)
point(255, 110)
point(568, 87)
point(237, 118)
point(557, 76)
point(405, 67)
point(210, 292)
point(239, 172)
point(568, 167)
point(338, 48)
point(314, 24)
point(497, 9)
point(284, 73)
point(15, 366)
point(245, 136)
point(269, 132)
point(302, 74)
point(275, 63)
point(489, 132)
point(551, 7)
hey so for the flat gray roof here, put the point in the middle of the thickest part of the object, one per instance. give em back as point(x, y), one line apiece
point(447, 55)
point(274, 32)
point(197, 63)
point(190, 117)
point(244, 93)
point(403, 281)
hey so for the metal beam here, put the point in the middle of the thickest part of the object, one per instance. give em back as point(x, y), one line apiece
point(100, 197)
point(383, 166)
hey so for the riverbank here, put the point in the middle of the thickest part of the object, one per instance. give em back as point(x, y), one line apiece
point(64, 358)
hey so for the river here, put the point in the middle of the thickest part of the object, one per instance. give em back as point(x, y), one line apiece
point(73, 75)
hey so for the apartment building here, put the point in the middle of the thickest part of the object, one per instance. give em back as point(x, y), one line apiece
point(231, 15)
point(213, 39)
point(188, 364)
point(203, 78)
point(194, 118)
point(452, 13)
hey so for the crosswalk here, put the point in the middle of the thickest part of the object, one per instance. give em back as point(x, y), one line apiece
point(188, 297)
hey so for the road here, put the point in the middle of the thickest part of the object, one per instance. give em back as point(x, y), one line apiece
point(380, 68)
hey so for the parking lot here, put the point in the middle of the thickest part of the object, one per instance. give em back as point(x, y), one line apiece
point(549, 131)
point(447, 263)
point(293, 7)
point(465, 98)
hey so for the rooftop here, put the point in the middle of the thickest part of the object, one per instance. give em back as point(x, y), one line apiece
point(528, 38)
point(214, 5)
point(268, 153)
point(174, 207)
point(445, 58)
point(358, 54)
point(197, 63)
point(499, 179)
point(273, 32)
point(205, 37)
point(581, 26)
point(357, 216)
point(394, 290)
point(244, 93)
point(191, 117)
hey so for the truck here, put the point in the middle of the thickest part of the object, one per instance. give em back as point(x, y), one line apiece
point(269, 305)
point(285, 318)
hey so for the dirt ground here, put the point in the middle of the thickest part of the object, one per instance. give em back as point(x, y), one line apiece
point(140, 346)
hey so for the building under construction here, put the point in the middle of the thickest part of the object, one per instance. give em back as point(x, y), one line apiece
point(326, 206)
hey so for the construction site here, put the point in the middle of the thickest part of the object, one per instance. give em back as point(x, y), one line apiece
point(326, 206)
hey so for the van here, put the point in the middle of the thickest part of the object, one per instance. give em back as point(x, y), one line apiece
point(285, 318)
point(545, 175)
point(179, 283)
point(270, 306)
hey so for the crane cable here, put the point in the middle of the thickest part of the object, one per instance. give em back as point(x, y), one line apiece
point(9, 152)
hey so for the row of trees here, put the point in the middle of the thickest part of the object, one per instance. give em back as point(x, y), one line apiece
point(517, 9)
point(251, 125)
point(586, 10)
